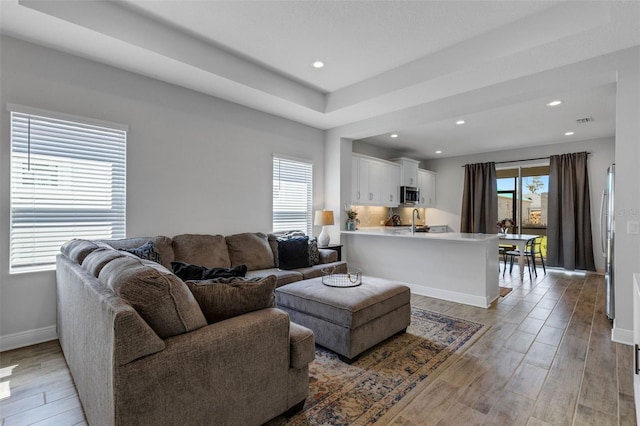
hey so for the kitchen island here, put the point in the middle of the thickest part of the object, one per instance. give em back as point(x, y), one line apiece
point(452, 266)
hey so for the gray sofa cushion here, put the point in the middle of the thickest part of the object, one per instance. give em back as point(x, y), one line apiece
point(251, 249)
point(273, 243)
point(96, 260)
point(283, 277)
point(204, 250)
point(159, 297)
point(77, 250)
point(316, 270)
point(224, 298)
point(163, 246)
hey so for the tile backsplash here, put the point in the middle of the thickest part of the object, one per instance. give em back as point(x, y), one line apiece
point(377, 216)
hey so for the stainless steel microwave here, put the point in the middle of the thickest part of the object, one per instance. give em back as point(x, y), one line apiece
point(409, 195)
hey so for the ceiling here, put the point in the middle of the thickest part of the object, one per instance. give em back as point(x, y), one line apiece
point(408, 67)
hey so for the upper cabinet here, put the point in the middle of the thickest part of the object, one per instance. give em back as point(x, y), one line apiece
point(355, 180)
point(408, 171)
point(427, 185)
point(374, 182)
point(390, 190)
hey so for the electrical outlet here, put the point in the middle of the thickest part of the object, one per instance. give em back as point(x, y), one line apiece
point(633, 227)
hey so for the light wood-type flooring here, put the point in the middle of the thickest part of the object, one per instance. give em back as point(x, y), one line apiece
point(545, 358)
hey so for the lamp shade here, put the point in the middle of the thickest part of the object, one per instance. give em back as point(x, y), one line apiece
point(323, 217)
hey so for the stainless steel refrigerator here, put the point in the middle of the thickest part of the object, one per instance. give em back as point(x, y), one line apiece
point(607, 225)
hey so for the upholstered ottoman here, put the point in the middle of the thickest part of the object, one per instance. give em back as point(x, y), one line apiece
point(348, 320)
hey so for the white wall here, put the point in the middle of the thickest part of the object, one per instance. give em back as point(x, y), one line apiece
point(627, 192)
point(194, 163)
point(449, 181)
point(365, 148)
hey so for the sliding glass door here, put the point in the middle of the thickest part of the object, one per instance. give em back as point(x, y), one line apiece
point(523, 196)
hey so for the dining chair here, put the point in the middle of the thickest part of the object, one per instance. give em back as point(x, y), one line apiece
point(502, 251)
point(536, 249)
point(528, 249)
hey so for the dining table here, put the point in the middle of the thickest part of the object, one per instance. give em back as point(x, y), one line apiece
point(520, 241)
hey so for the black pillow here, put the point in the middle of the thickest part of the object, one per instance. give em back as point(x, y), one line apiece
point(146, 251)
point(293, 252)
point(185, 271)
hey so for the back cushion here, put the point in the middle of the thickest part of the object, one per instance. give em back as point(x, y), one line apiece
point(203, 250)
point(224, 298)
point(251, 249)
point(159, 297)
point(273, 243)
point(162, 245)
point(96, 260)
point(77, 250)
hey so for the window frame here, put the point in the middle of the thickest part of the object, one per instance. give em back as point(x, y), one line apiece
point(308, 180)
point(76, 190)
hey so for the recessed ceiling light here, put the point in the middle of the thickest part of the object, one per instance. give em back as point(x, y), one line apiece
point(438, 152)
point(393, 135)
point(554, 103)
point(460, 122)
point(568, 133)
point(318, 64)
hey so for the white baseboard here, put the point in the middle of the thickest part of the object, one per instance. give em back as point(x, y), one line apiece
point(620, 335)
point(451, 296)
point(28, 338)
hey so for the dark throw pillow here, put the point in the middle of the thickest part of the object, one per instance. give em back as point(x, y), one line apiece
point(185, 271)
point(146, 251)
point(293, 252)
point(225, 298)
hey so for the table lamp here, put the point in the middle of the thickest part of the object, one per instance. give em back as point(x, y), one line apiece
point(324, 218)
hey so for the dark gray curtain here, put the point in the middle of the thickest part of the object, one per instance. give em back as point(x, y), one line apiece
point(569, 242)
point(479, 199)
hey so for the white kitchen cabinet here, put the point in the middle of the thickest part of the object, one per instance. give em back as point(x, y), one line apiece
point(390, 185)
point(370, 181)
point(427, 185)
point(408, 171)
point(374, 182)
point(355, 180)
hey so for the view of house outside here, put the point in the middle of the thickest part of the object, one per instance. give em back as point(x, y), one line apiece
point(534, 204)
point(534, 201)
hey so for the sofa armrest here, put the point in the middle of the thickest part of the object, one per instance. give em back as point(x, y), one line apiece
point(328, 255)
point(215, 372)
point(302, 344)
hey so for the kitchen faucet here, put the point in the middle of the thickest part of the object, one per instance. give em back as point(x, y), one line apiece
point(413, 220)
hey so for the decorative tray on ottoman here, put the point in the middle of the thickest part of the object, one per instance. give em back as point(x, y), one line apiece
point(352, 278)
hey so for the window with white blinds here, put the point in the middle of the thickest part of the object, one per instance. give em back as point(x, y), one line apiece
point(67, 181)
point(292, 195)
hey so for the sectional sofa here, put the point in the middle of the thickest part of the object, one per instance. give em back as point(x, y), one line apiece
point(141, 351)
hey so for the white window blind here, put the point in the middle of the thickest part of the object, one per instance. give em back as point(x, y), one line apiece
point(292, 195)
point(67, 181)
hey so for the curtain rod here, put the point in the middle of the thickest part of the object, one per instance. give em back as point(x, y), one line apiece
point(526, 159)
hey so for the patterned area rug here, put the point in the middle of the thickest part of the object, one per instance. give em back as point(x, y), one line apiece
point(360, 393)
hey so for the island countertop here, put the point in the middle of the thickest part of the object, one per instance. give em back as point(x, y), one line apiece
point(403, 232)
point(452, 266)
